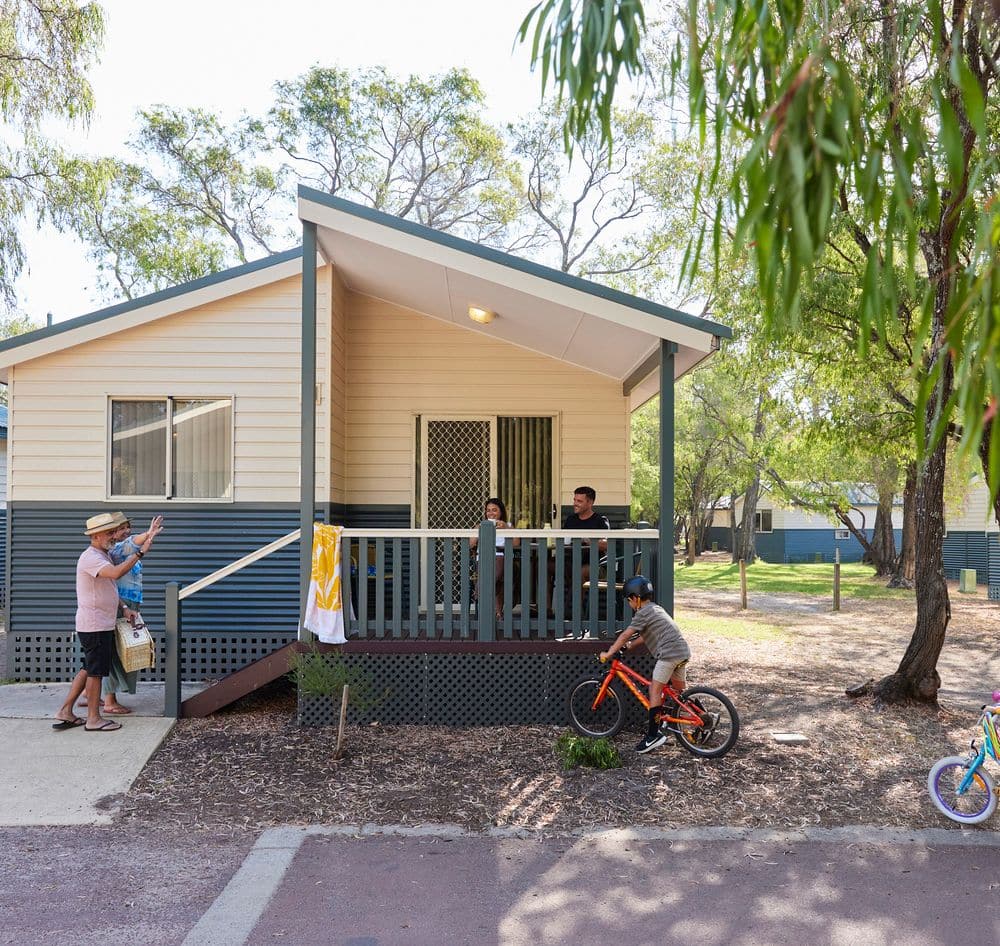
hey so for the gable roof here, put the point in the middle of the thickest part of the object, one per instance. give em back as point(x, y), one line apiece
point(537, 307)
point(156, 305)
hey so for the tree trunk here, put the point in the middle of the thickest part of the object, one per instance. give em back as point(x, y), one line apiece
point(916, 677)
point(732, 525)
point(903, 576)
point(882, 553)
point(745, 549)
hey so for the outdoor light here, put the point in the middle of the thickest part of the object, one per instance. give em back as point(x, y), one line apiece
point(480, 315)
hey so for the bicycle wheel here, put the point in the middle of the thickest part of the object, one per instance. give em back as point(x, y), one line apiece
point(975, 804)
point(606, 719)
point(720, 724)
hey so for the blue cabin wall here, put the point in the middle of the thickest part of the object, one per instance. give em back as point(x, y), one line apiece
point(788, 546)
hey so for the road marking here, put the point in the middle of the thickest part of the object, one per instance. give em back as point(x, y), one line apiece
point(231, 919)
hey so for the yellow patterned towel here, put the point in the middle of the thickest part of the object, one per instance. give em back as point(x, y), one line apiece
point(325, 608)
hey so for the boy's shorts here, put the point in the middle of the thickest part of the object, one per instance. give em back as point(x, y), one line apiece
point(98, 647)
point(666, 669)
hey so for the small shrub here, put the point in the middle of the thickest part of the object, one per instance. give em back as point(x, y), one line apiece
point(580, 750)
point(317, 674)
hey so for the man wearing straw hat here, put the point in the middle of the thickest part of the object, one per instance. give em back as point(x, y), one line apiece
point(97, 606)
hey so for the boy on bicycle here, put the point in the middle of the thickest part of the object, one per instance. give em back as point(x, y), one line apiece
point(663, 639)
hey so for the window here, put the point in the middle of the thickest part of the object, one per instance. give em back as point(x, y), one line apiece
point(763, 520)
point(176, 448)
point(841, 533)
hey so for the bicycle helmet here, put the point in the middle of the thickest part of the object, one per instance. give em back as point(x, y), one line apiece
point(640, 586)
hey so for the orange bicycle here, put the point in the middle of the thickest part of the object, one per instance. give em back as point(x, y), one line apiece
point(703, 720)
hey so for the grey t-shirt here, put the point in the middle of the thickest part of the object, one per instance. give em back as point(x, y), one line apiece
point(660, 633)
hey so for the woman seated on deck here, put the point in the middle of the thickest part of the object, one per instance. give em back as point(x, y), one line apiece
point(496, 511)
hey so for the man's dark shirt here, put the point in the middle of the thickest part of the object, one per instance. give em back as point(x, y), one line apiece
point(596, 521)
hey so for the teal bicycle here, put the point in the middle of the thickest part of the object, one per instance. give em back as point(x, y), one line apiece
point(960, 786)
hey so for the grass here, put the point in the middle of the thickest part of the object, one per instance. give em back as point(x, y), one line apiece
point(744, 628)
point(856, 580)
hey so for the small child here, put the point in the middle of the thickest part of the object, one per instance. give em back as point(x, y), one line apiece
point(663, 639)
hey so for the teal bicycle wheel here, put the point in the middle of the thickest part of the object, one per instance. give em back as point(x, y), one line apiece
point(971, 806)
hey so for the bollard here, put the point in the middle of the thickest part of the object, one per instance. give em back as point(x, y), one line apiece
point(836, 580)
point(743, 585)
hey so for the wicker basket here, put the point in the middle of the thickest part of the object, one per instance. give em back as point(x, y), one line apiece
point(135, 645)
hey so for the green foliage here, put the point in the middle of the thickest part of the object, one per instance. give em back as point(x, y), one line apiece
point(585, 46)
point(574, 751)
point(419, 148)
point(45, 50)
point(317, 674)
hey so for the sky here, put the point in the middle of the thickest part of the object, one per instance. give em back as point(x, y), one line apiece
point(225, 56)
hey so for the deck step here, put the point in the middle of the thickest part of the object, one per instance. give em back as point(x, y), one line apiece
point(239, 683)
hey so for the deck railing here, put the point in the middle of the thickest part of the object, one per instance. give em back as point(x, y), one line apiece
point(435, 584)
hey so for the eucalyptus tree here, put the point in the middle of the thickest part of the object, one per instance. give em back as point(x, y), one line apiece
point(45, 51)
point(594, 211)
point(418, 148)
point(140, 244)
point(885, 118)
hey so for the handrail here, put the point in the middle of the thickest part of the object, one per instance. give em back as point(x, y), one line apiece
point(512, 533)
point(239, 564)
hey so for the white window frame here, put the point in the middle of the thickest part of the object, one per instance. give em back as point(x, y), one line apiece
point(170, 399)
point(841, 534)
point(759, 522)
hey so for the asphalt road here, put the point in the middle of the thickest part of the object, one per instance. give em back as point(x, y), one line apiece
point(310, 886)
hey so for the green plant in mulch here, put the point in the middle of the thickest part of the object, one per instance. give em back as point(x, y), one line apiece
point(574, 750)
point(317, 674)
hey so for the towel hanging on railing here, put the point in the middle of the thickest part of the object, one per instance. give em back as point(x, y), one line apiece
point(325, 606)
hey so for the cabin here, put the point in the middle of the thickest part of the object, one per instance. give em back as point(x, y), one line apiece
point(788, 534)
point(972, 537)
point(384, 377)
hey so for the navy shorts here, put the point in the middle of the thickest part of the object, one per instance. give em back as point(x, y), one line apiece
point(98, 646)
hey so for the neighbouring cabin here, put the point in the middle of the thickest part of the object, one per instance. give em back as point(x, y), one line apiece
point(790, 534)
point(439, 373)
point(972, 537)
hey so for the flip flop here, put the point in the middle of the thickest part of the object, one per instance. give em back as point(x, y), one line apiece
point(116, 710)
point(107, 726)
point(69, 723)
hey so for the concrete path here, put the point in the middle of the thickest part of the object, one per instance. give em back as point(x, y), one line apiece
point(406, 887)
point(51, 777)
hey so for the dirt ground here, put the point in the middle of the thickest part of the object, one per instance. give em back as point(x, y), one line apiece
point(253, 766)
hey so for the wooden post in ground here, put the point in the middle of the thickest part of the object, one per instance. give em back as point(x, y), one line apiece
point(743, 585)
point(836, 580)
point(343, 721)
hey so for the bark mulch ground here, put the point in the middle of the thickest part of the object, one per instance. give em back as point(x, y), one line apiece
point(785, 664)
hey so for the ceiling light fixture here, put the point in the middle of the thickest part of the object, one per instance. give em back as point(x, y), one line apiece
point(481, 315)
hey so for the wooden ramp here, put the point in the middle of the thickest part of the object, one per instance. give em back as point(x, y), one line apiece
point(240, 683)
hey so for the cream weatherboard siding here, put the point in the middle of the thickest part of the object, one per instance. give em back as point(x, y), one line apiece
point(246, 346)
point(401, 364)
point(974, 513)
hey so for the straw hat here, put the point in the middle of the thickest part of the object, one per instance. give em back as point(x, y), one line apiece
point(104, 522)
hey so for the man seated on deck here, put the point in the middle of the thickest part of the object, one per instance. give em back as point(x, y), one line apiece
point(582, 517)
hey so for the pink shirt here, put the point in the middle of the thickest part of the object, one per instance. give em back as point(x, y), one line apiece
point(96, 598)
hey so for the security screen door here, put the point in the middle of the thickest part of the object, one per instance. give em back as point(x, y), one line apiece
point(465, 460)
